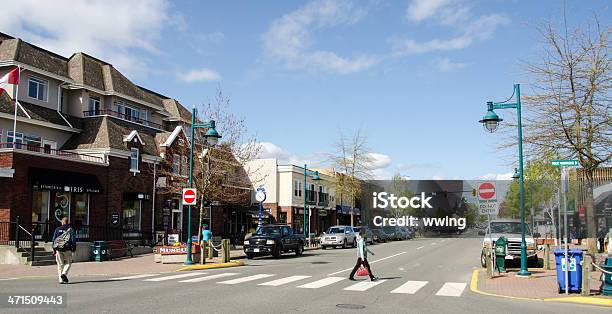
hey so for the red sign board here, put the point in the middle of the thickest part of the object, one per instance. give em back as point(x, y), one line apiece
point(189, 196)
point(486, 190)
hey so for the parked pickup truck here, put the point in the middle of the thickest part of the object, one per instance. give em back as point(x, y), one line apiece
point(273, 240)
point(511, 229)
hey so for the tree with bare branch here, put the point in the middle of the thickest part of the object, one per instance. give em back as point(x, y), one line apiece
point(568, 114)
point(353, 160)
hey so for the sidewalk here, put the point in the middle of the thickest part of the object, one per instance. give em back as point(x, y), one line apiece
point(542, 285)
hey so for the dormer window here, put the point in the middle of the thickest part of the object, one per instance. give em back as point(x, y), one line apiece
point(134, 152)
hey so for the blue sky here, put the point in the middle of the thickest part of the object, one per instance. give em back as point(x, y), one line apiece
point(414, 75)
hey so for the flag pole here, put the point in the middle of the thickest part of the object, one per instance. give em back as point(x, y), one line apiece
point(16, 102)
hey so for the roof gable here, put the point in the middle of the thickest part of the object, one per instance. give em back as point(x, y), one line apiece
point(133, 135)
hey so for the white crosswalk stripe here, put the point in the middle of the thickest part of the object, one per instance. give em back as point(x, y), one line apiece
point(364, 285)
point(134, 277)
point(245, 279)
point(211, 277)
point(174, 277)
point(322, 282)
point(410, 287)
point(282, 281)
point(451, 289)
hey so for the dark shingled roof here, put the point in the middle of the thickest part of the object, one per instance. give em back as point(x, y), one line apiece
point(177, 110)
point(109, 132)
point(19, 50)
point(37, 112)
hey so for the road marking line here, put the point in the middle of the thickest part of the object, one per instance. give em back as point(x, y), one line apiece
point(433, 243)
point(452, 289)
point(372, 262)
point(245, 279)
point(410, 287)
point(211, 277)
point(283, 281)
point(134, 277)
point(364, 285)
point(321, 283)
point(420, 247)
point(174, 277)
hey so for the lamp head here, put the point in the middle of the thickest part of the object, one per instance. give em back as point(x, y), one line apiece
point(212, 136)
point(491, 120)
point(315, 176)
point(516, 174)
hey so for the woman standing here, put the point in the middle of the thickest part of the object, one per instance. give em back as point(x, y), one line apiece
point(362, 259)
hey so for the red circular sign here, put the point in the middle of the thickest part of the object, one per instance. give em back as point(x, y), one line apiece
point(189, 196)
point(486, 190)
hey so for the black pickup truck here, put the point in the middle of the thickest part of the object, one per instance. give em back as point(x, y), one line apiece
point(273, 240)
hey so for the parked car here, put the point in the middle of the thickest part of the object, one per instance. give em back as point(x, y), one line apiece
point(392, 233)
point(338, 236)
point(273, 240)
point(377, 235)
point(365, 233)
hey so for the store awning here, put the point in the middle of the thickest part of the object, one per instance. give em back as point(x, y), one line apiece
point(66, 181)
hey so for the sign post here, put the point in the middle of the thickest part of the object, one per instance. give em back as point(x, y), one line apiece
point(564, 164)
point(487, 204)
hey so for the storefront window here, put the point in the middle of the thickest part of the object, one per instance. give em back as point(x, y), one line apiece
point(40, 206)
point(81, 208)
point(131, 215)
point(61, 205)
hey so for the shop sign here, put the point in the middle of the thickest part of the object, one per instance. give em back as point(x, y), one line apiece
point(174, 250)
point(115, 218)
point(322, 212)
point(173, 238)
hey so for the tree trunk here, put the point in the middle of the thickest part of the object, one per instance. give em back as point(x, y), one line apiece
point(590, 212)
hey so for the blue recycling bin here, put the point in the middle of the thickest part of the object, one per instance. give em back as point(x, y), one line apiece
point(574, 275)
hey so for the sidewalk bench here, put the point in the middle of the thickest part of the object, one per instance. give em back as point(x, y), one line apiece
point(119, 248)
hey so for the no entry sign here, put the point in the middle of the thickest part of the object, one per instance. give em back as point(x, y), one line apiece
point(189, 196)
point(486, 191)
point(487, 199)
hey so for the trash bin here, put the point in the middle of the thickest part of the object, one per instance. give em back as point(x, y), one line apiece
point(606, 286)
point(574, 275)
point(98, 251)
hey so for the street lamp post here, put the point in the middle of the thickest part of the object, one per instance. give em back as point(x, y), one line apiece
point(315, 177)
point(491, 121)
point(211, 136)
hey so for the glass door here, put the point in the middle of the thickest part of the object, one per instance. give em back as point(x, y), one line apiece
point(40, 215)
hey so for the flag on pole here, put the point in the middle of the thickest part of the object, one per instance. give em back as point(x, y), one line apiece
point(10, 78)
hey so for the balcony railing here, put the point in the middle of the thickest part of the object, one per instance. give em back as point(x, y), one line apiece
point(112, 113)
point(51, 152)
point(311, 197)
point(323, 199)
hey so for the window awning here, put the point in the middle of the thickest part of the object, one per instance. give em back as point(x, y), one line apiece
point(66, 181)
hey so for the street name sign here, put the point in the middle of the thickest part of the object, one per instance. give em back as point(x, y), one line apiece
point(189, 196)
point(487, 199)
point(565, 163)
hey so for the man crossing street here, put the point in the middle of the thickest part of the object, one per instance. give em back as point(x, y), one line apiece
point(64, 244)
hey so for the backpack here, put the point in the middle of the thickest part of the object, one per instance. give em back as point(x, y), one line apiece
point(62, 242)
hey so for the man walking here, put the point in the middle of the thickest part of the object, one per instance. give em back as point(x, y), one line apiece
point(362, 258)
point(64, 244)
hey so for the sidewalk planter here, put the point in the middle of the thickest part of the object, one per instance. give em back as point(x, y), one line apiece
point(169, 254)
point(574, 277)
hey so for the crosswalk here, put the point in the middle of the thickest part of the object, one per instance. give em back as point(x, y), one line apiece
point(410, 287)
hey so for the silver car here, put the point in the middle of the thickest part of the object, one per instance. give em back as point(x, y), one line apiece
point(339, 236)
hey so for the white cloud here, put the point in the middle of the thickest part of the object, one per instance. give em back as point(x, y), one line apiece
point(289, 38)
point(199, 75)
point(109, 30)
point(379, 160)
point(447, 65)
point(419, 10)
point(496, 176)
point(271, 150)
point(453, 14)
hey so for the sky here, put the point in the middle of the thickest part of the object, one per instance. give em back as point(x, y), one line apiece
point(414, 76)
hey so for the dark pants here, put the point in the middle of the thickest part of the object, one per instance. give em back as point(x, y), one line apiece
point(360, 262)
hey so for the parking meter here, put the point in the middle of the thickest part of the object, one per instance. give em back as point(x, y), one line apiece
point(500, 254)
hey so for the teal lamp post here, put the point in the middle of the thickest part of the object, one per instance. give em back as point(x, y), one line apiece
point(212, 137)
point(490, 122)
point(315, 177)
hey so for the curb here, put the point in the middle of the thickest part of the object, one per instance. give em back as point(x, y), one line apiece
point(575, 299)
point(212, 266)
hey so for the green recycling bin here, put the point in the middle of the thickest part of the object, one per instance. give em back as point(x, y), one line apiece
point(98, 251)
point(606, 285)
point(500, 254)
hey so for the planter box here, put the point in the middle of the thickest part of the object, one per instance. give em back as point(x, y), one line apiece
point(175, 254)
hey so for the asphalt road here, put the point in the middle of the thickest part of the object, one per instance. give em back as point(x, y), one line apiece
point(416, 276)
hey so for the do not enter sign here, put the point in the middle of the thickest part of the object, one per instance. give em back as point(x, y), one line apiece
point(189, 196)
point(486, 191)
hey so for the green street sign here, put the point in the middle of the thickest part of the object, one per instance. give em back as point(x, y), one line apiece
point(565, 163)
